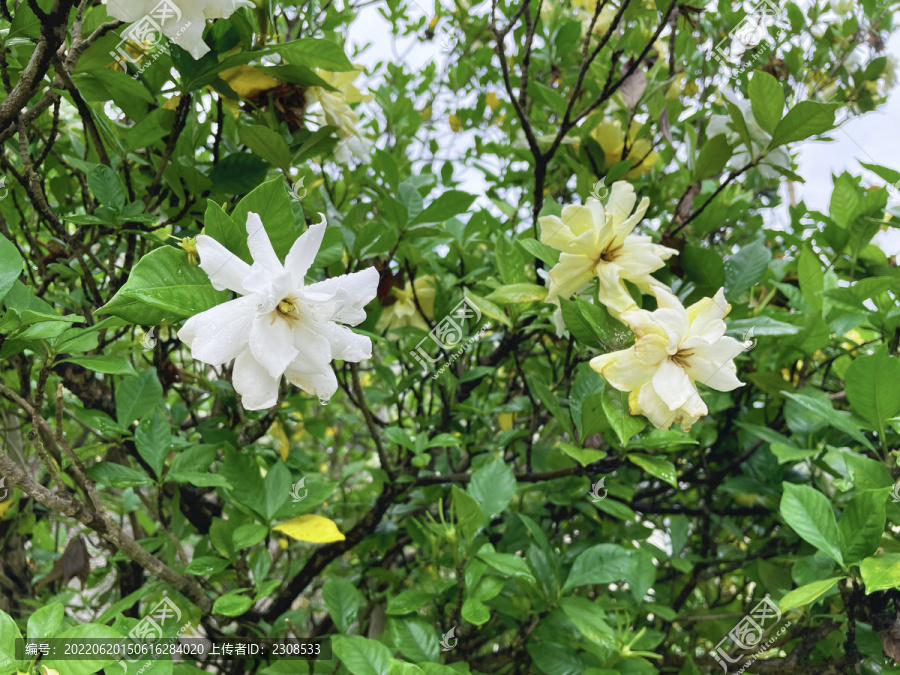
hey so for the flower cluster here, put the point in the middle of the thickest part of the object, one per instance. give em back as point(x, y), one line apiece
point(674, 347)
point(279, 326)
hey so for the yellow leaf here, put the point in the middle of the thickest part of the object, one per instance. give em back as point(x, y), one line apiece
point(492, 100)
point(281, 439)
point(455, 123)
point(247, 81)
point(283, 544)
point(505, 420)
point(172, 103)
point(312, 528)
point(4, 507)
point(426, 113)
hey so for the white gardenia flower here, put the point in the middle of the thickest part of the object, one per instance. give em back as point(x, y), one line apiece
point(597, 241)
point(182, 21)
point(759, 139)
point(279, 325)
point(675, 348)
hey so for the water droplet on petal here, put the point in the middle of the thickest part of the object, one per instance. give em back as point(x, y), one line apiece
point(324, 401)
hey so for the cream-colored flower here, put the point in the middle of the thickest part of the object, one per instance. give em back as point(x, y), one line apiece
point(675, 348)
point(336, 112)
point(597, 241)
point(404, 311)
point(182, 21)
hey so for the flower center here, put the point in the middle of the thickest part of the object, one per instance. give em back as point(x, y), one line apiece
point(608, 255)
point(287, 309)
point(681, 357)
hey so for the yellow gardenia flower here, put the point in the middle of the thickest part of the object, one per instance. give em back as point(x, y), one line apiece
point(611, 138)
point(675, 348)
point(404, 311)
point(597, 241)
point(336, 112)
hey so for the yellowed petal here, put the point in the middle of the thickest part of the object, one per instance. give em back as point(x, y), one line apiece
point(4, 507)
point(311, 528)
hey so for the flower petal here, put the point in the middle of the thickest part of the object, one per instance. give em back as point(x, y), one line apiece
point(260, 246)
point(303, 252)
point(224, 268)
point(571, 274)
point(342, 298)
point(217, 335)
point(345, 344)
point(272, 343)
point(713, 365)
point(623, 370)
point(673, 384)
point(258, 389)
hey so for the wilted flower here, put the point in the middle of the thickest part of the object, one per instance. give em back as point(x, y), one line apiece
point(597, 241)
point(640, 152)
point(759, 139)
point(185, 30)
point(279, 325)
point(674, 348)
point(404, 312)
point(337, 113)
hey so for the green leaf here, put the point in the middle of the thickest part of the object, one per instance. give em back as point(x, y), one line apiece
point(45, 621)
point(469, 515)
point(744, 268)
point(549, 256)
point(106, 186)
point(506, 563)
point(271, 203)
point(492, 486)
point(600, 564)
point(267, 144)
point(862, 524)
point(871, 385)
point(233, 603)
point(811, 277)
point(9, 633)
point(111, 365)
point(656, 466)
point(407, 602)
point(11, 265)
point(804, 595)
point(238, 173)
point(714, 155)
point(587, 617)
point(844, 205)
point(343, 601)
point(704, 267)
point(811, 516)
point(449, 204)
point(206, 565)
point(766, 100)
point(163, 285)
point(824, 410)
point(315, 53)
point(137, 396)
point(518, 293)
point(415, 638)
point(806, 119)
point(615, 405)
point(362, 656)
point(475, 612)
point(881, 572)
point(153, 439)
point(117, 475)
point(548, 398)
point(221, 227)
